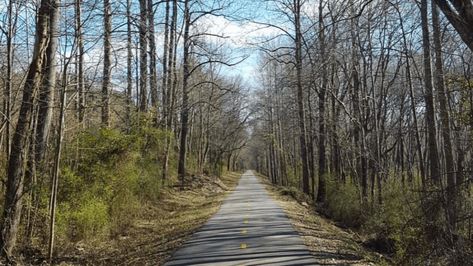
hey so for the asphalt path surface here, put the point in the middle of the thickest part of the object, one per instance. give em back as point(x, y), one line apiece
point(249, 229)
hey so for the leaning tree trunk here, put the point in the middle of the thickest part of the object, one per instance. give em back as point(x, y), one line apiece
point(460, 15)
point(15, 175)
point(57, 160)
point(300, 98)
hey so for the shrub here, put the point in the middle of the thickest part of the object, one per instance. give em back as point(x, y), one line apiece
point(89, 221)
point(343, 203)
point(124, 208)
point(121, 171)
point(393, 225)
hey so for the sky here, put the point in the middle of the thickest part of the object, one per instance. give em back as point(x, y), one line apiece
point(242, 34)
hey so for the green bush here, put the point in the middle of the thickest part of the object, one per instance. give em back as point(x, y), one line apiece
point(343, 203)
point(393, 224)
point(122, 171)
point(90, 220)
point(124, 209)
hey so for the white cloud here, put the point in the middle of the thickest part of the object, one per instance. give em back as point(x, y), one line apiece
point(237, 34)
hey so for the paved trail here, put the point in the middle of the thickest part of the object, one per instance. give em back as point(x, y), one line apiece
point(249, 229)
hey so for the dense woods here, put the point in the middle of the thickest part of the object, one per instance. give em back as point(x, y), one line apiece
point(365, 106)
point(100, 113)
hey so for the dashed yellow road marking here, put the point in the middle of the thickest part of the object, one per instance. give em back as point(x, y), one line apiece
point(244, 231)
point(243, 246)
point(245, 221)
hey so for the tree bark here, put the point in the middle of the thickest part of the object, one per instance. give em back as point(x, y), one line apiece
point(129, 63)
point(15, 173)
point(185, 95)
point(168, 100)
point(444, 118)
point(80, 55)
point(107, 61)
point(165, 64)
point(460, 15)
point(9, 78)
point(56, 169)
point(412, 100)
point(322, 92)
point(153, 82)
point(297, 5)
point(429, 97)
point(143, 28)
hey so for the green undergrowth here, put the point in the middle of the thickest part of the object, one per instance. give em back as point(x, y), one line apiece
point(408, 225)
point(105, 180)
point(112, 198)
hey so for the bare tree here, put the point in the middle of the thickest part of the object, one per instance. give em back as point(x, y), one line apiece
point(429, 96)
point(444, 118)
point(47, 18)
point(143, 28)
point(107, 61)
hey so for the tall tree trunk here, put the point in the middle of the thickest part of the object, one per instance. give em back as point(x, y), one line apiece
point(80, 55)
point(9, 78)
point(297, 5)
point(57, 160)
point(170, 84)
point(143, 56)
point(48, 11)
point(107, 61)
point(129, 63)
point(429, 97)
point(322, 92)
point(412, 100)
point(181, 170)
point(153, 83)
point(46, 94)
point(165, 63)
point(358, 131)
point(444, 118)
point(311, 142)
point(44, 110)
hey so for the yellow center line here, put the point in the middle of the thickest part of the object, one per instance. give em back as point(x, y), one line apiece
point(245, 221)
point(243, 246)
point(244, 231)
